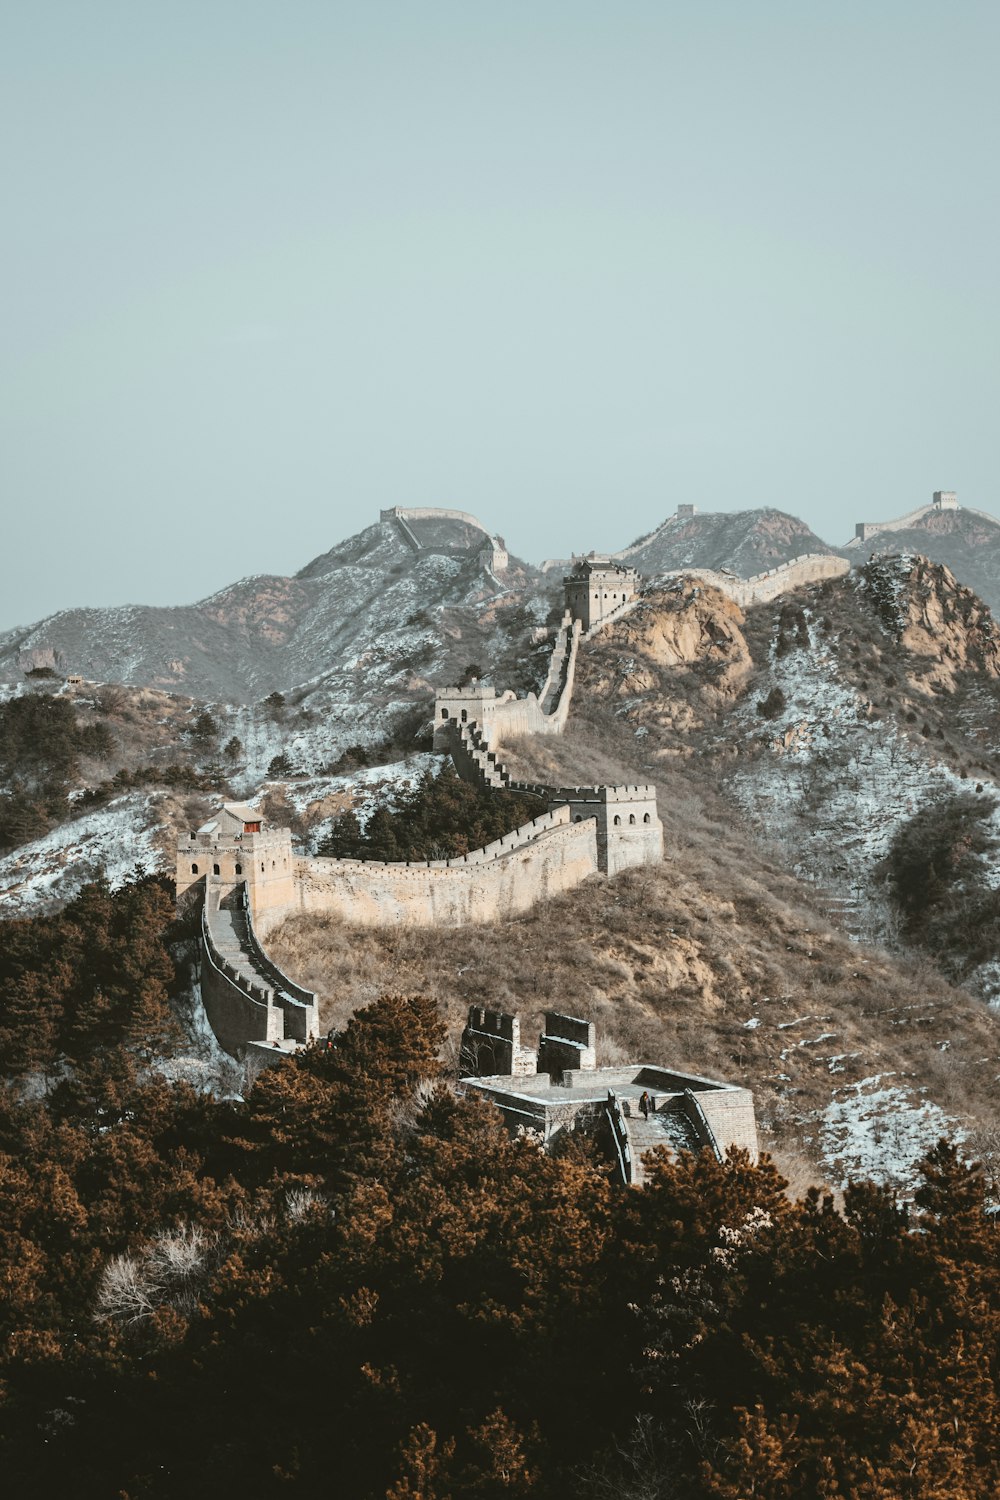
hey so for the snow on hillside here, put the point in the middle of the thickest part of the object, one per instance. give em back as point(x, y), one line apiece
point(311, 736)
point(835, 783)
point(126, 835)
point(115, 840)
point(355, 619)
point(879, 1131)
point(363, 791)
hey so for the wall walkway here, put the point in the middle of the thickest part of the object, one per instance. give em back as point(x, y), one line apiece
point(762, 587)
point(247, 997)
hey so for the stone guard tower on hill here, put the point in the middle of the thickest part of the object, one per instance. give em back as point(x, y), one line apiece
point(234, 847)
point(598, 586)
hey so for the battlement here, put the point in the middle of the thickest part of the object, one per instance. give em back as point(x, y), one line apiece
point(598, 586)
point(646, 1105)
point(941, 500)
point(433, 528)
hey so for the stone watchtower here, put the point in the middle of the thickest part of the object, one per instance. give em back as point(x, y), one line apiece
point(235, 846)
point(629, 831)
point(597, 587)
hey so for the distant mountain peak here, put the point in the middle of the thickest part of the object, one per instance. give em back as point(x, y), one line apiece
point(745, 542)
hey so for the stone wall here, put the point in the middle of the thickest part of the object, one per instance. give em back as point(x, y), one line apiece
point(730, 1115)
point(264, 861)
point(504, 716)
point(491, 1043)
point(763, 587)
point(235, 1014)
point(541, 860)
point(566, 1044)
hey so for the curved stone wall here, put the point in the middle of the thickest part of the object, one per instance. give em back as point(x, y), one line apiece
point(539, 861)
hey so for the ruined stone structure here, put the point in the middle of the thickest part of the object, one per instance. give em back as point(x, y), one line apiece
point(599, 588)
point(559, 1087)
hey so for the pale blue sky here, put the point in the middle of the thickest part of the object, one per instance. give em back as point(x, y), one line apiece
point(267, 267)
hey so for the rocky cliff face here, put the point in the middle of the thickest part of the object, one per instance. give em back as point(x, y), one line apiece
point(678, 654)
point(830, 717)
point(932, 615)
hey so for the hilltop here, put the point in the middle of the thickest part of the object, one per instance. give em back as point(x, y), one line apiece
point(966, 541)
point(744, 542)
point(363, 617)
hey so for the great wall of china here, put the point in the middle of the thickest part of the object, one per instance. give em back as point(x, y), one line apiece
point(247, 879)
point(943, 500)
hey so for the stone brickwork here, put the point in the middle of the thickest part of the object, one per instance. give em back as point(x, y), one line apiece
point(566, 1044)
point(762, 587)
point(234, 847)
point(684, 1112)
point(491, 1043)
point(598, 586)
point(501, 716)
point(541, 860)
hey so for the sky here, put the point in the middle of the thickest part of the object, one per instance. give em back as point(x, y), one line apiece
point(267, 268)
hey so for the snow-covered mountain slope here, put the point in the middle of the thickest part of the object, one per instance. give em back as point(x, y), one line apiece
point(116, 841)
point(366, 611)
point(829, 718)
point(966, 541)
point(137, 832)
point(743, 541)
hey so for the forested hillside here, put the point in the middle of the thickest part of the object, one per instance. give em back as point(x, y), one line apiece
point(353, 1281)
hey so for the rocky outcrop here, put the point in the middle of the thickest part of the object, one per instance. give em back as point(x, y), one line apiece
point(684, 626)
point(932, 615)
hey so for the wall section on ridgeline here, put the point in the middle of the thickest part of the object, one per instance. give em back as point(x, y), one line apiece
point(766, 586)
point(364, 893)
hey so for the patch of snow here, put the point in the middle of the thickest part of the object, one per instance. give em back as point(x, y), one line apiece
point(876, 1131)
point(834, 784)
point(116, 840)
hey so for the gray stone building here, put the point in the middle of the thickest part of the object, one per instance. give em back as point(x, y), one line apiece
point(598, 586)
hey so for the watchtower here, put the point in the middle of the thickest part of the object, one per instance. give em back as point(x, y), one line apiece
point(629, 831)
point(598, 586)
point(234, 846)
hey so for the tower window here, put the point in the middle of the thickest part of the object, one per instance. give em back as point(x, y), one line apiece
point(194, 869)
point(239, 869)
point(617, 820)
point(216, 870)
point(645, 817)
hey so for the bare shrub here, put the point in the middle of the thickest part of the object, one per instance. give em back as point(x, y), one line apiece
point(169, 1269)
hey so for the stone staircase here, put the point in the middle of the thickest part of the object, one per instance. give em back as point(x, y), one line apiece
point(666, 1127)
point(234, 948)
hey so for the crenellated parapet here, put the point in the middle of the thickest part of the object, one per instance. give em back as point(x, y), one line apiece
point(632, 1108)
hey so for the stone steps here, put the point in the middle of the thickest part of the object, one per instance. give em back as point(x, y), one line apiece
point(669, 1127)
